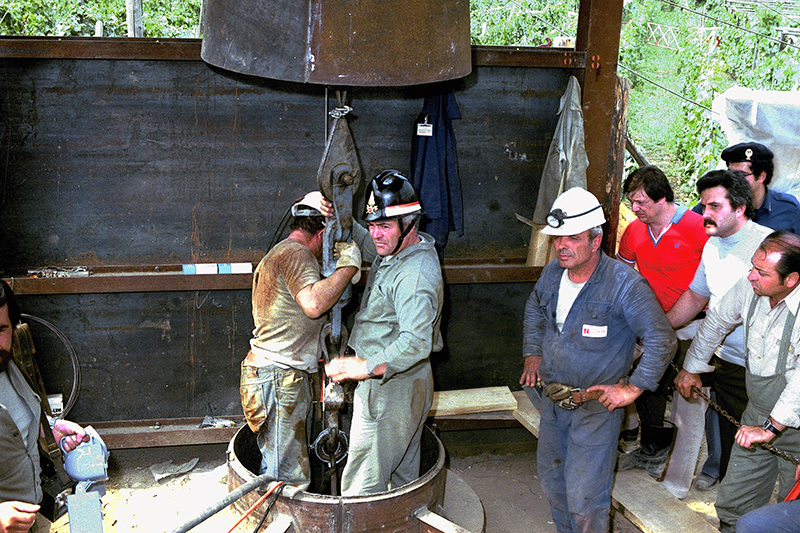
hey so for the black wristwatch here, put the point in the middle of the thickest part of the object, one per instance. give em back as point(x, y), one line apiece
point(769, 427)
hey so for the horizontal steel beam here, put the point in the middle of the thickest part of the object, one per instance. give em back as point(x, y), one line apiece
point(167, 278)
point(157, 433)
point(189, 50)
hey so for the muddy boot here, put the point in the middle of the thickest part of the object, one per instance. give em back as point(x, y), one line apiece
point(652, 456)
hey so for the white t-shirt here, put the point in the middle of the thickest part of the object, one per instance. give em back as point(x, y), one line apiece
point(567, 292)
point(724, 262)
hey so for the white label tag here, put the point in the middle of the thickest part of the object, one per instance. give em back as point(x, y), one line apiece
point(595, 332)
point(425, 130)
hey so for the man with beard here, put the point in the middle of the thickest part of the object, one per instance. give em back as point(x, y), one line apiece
point(766, 302)
point(665, 244)
point(21, 424)
point(727, 210)
point(580, 325)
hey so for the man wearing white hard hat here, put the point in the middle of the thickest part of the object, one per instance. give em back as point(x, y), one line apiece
point(581, 322)
point(289, 300)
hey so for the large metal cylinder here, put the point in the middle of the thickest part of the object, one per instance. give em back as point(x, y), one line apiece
point(340, 42)
point(386, 512)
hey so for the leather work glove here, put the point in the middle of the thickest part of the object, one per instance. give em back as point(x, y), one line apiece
point(349, 254)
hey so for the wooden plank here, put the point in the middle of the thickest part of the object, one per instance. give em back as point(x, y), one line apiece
point(646, 503)
point(434, 523)
point(526, 413)
point(464, 401)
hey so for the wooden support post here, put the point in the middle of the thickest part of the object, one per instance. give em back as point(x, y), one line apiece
point(598, 20)
point(133, 10)
point(619, 134)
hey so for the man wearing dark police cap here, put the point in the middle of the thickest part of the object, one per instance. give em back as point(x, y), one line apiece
point(775, 210)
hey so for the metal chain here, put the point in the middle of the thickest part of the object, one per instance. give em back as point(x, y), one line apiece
point(769, 447)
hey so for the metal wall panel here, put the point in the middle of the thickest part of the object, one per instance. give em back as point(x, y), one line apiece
point(126, 162)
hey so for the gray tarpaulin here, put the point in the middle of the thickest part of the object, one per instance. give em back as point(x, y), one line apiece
point(566, 161)
point(770, 118)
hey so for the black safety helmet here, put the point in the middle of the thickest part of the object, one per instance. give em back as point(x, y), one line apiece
point(389, 196)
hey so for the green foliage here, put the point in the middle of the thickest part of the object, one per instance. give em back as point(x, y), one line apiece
point(160, 18)
point(715, 60)
point(714, 56)
point(521, 22)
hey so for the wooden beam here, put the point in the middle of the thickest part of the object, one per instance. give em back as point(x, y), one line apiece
point(599, 20)
point(133, 10)
point(616, 164)
point(526, 413)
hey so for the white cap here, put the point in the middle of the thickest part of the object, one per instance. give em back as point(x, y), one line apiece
point(308, 206)
point(575, 211)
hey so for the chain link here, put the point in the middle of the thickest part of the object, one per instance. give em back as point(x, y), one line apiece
point(339, 112)
point(769, 447)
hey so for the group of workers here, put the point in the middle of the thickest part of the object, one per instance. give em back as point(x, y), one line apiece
point(388, 351)
point(721, 278)
point(712, 292)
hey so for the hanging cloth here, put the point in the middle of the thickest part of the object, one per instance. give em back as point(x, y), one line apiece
point(566, 161)
point(434, 169)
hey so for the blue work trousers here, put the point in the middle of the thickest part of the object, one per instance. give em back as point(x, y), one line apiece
point(575, 458)
point(778, 518)
point(276, 402)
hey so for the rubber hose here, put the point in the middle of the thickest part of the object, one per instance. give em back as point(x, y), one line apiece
point(76, 366)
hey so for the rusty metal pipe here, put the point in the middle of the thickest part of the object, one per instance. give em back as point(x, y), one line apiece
point(232, 497)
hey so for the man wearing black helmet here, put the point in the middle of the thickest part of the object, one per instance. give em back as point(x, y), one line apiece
point(395, 332)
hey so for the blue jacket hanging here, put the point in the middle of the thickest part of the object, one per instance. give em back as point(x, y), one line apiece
point(434, 169)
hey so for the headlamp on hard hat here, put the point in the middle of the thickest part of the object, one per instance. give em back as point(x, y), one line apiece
point(556, 217)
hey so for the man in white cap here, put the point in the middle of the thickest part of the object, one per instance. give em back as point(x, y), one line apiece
point(289, 301)
point(581, 322)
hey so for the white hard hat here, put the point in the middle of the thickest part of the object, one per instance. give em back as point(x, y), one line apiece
point(575, 211)
point(308, 206)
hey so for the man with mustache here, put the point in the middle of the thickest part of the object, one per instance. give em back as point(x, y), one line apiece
point(773, 209)
point(580, 325)
point(21, 425)
point(766, 302)
point(665, 244)
point(395, 331)
point(727, 211)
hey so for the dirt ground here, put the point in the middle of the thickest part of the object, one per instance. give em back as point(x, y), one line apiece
point(505, 481)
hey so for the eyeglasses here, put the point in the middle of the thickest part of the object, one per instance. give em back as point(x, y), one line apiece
point(556, 217)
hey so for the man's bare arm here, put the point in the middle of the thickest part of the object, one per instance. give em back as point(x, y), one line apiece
point(686, 308)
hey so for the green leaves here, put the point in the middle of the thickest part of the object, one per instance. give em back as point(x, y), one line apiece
point(161, 18)
point(522, 22)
